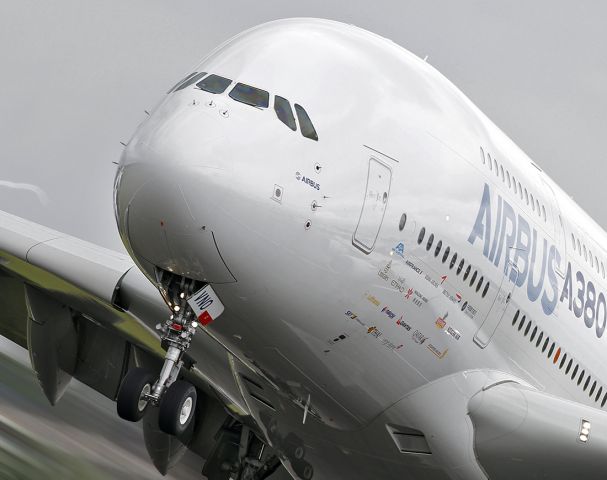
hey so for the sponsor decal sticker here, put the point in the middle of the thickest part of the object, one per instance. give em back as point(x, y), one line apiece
point(351, 315)
point(373, 331)
point(373, 300)
point(399, 250)
point(414, 267)
point(439, 353)
point(454, 333)
point(419, 337)
point(403, 324)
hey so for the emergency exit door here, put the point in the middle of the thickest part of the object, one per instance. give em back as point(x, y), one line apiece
point(374, 206)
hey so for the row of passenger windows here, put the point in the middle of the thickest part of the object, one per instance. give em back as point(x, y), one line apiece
point(555, 353)
point(514, 185)
point(254, 97)
point(476, 278)
point(587, 255)
point(534, 203)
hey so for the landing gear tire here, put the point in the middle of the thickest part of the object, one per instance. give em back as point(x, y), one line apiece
point(177, 408)
point(131, 402)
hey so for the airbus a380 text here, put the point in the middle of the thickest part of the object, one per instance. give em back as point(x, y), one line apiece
point(360, 276)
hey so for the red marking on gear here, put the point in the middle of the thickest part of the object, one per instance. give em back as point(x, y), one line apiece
point(204, 318)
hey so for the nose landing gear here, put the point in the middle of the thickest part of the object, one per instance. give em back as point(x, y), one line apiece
point(175, 398)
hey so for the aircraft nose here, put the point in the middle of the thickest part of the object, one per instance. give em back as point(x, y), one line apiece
point(158, 226)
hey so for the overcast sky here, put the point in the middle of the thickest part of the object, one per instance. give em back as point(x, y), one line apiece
point(77, 77)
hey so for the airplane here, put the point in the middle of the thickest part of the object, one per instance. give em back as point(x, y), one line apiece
point(338, 267)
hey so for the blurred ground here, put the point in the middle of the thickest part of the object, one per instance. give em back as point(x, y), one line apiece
point(80, 438)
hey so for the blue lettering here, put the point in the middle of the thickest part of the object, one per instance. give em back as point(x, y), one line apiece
point(482, 225)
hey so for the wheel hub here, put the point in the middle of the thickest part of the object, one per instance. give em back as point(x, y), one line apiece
point(186, 410)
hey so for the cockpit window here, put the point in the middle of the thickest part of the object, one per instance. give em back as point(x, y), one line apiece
point(250, 95)
point(181, 81)
point(307, 129)
point(282, 107)
point(189, 80)
point(214, 84)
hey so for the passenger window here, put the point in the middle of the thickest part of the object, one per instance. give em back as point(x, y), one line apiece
point(189, 81)
point(489, 162)
point(249, 95)
point(305, 124)
point(282, 107)
point(214, 84)
point(482, 155)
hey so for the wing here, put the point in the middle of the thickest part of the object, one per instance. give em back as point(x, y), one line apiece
point(88, 313)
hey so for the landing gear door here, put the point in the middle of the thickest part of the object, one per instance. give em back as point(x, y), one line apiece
point(374, 206)
point(494, 317)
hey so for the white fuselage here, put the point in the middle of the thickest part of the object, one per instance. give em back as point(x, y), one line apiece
point(330, 294)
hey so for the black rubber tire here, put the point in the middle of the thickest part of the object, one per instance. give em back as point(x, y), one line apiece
point(171, 405)
point(129, 394)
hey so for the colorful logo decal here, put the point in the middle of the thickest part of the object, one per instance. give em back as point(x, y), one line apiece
point(373, 300)
point(403, 324)
point(399, 249)
point(439, 353)
point(454, 333)
point(419, 337)
point(373, 331)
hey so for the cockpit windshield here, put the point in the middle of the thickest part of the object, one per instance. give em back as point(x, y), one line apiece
point(214, 84)
point(189, 80)
point(250, 95)
point(256, 97)
point(282, 107)
point(307, 129)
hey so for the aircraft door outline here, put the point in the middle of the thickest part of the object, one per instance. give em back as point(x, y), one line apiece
point(375, 202)
point(494, 317)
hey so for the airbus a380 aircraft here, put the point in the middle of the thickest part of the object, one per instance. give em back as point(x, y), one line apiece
point(360, 277)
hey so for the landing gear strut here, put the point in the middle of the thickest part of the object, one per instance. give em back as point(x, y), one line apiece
point(176, 398)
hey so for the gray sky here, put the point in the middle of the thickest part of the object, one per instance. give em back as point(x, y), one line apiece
point(77, 76)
